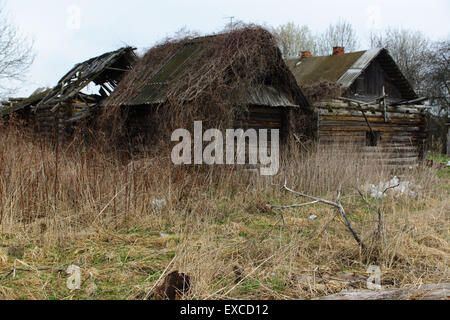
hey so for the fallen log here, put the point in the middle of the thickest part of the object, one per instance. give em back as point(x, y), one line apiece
point(425, 292)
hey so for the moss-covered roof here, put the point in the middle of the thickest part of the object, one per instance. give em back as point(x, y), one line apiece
point(330, 68)
point(344, 69)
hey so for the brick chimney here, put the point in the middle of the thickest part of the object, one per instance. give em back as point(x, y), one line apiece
point(305, 54)
point(338, 51)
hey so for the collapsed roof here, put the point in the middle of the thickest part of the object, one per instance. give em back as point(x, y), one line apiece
point(344, 69)
point(105, 70)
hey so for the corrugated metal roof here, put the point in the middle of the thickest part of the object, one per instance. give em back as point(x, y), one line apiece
point(267, 96)
point(154, 93)
point(155, 90)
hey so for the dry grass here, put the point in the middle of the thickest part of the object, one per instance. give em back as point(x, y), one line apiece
point(80, 206)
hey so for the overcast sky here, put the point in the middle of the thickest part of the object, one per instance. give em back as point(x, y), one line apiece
point(70, 31)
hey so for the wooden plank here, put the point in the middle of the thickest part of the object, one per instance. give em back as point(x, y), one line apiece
point(368, 109)
point(389, 149)
point(401, 121)
point(267, 110)
point(356, 113)
point(391, 155)
point(356, 142)
point(342, 133)
point(325, 136)
point(358, 127)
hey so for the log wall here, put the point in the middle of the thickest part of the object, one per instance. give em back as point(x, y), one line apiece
point(142, 126)
point(52, 124)
point(400, 139)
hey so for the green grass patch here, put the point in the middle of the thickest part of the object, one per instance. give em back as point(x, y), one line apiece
point(441, 158)
point(249, 286)
point(278, 283)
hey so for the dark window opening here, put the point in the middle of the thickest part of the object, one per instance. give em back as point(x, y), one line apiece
point(373, 139)
point(360, 85)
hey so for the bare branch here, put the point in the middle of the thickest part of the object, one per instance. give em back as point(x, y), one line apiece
point(16, 54)
point(293, 39)
point(336, 205)
point(340, 34)
point(293, 206)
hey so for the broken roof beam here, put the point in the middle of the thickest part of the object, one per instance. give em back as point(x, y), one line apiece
point(93, 70)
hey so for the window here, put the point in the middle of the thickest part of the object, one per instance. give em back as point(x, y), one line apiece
point(373, 138)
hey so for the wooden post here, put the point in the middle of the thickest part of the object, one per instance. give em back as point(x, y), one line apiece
point(384, 104)
point(316, 128)
point(448, 140)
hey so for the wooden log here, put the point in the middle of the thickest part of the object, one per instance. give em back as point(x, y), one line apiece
point(355, 113)
point(323, 132)
point(400, 139)
point(371, 108)
point(356, 122)
point(329, 126)
point(426, 292)
point(340, 143)
point(403, 149)
point(342, 137)
point(400, 121)
point(401, 161)
point(391, 155)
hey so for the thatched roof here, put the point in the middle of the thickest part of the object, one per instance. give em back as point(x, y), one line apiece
point(239, 67)
point(344, 69)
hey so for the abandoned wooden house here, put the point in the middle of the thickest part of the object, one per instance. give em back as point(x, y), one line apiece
point(363, 100)
point(238, 79)
point(67, 104)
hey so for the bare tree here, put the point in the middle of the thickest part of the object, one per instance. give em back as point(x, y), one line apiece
point(436, 84)
point(409, 49)
point(340, 34)
point(16, 54)
point(292, 39)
